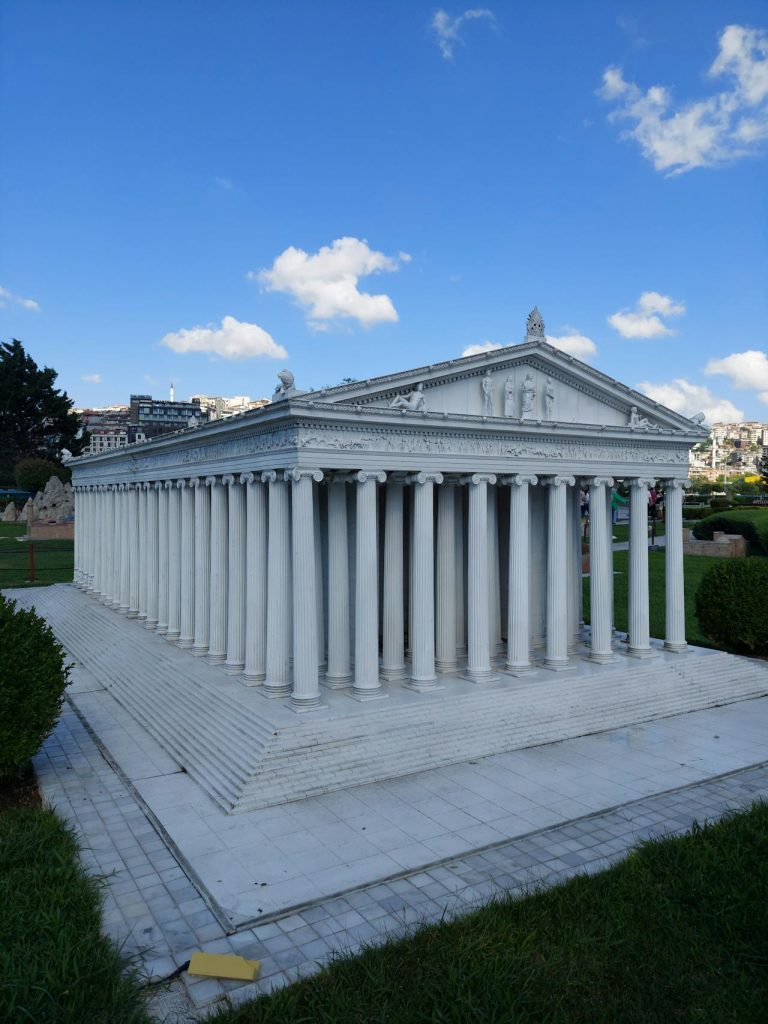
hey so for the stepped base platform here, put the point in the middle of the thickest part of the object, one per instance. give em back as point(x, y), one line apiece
point(248, 752)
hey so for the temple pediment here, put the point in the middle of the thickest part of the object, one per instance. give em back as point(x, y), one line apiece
point(529, 382)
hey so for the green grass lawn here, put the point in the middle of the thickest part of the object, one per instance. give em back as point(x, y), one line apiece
point(677, 932)
point(55, 965)
point(54, 559)
point(621, 531)
point(694, 567)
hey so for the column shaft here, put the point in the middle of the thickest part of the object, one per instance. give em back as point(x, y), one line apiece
point(133, 551)
point(557, 574)
point(494, 579)
point(235, 662)
point(367, 684)
point(518, 624)
point(639, 636)
point(124, 498)
point(305, 695)
point(423, 676)
point(277, 682)
point(600, 571)
point(217, 637)
point(143, 573)
point(447, 585)
point(187, 566)
point(162, 558)
point(478, 589)
point(152, 562)
point(675, 579)
point(339, 672)
point(174, 563)
point(202, 566)
point(393, 611)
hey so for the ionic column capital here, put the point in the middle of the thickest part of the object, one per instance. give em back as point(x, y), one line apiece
point(146, 485)
point(676, 485)
point(250, 478)
point(271, 476)
point(229, 480)
point(181, 484)
point(425, 478)
point(641, 481)
point(211, 481)
point(158, 485)
point(364, 475)
point(479, 478)
point(519, 479)
point(169, 485)
point(598, 481)
point(195, 482)
point(558, 481)
point(294, 475)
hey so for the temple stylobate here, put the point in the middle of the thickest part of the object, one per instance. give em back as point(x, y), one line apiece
point(392, 532)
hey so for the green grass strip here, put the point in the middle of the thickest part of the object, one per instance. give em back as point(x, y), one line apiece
point(675, 934)
point(55, 965)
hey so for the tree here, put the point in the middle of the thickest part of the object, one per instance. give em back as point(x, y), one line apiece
point(36, 420)
point(762, 468)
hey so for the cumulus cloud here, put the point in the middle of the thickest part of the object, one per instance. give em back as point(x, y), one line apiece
point(677, 137)
point(574, 344)
point(483, 346)
point(645, 320)
point(325, 282)
point(746, 370)
point(686, 398)
point(233, 340)
point(8, 298)
point(91, 378)
point(448, 28)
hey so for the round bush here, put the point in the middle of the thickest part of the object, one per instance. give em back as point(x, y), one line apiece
point(33, 474)
point(33, 678)
point(732, 605)
point(720, 503)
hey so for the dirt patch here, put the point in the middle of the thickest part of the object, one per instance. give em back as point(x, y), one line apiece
point(19, 792)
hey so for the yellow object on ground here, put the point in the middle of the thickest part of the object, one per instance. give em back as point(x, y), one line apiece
point(220, 965)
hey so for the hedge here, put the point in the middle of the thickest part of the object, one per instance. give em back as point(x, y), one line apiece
point(751, 523)
point(732, 605)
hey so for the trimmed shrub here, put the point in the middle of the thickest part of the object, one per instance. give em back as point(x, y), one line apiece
point(720, 503)
point(751, 523)
point(33, 474)
point(33, 678)
point(732, 605)
point(697, 513)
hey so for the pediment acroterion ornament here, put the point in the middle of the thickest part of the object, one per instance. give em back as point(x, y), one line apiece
point(535, 324)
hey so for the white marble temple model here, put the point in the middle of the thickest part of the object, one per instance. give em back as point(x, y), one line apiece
point(390, 532)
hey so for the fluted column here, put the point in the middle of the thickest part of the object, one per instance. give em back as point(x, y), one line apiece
point(478, 589)
point(202, 566)
point(600, 571)
point(217, 636)
point(518, 624)
point(186, 565)
point(100, 497)
point(339, 671)
point(162, 557)
point(461, 583)
point(153, 560)
point(174, 561)
point(674, 491)
point(124, 497)
point(494, 580)
point(133, 550)
point(447, 577)
point(236, 554)
point(108, 588)
point(639, 634)
point(319, 588)
point(277, 682)
point(557, 573)
point(255, 579)
point(367, 685)
point(78, 552)
point(305, 695)
point(393, 611)
point(573, 513)
point(143, 489)
point(88, 575)
point(609, 551)
point(423, 676)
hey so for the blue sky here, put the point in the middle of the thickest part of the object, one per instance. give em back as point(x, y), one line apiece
point(192, 190)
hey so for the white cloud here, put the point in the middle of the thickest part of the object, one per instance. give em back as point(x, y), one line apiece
point(679, 137)
point(645, 320)
point(325, 282)
point(574, 344)
point(686, 398)
point(448, 28)
point(10, 298)
point(477, 350)
point(746, 369)
point(233, 340)
point(91, 378)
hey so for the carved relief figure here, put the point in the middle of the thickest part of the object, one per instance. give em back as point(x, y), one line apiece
point(414, 401)
point(529, 396)
point(509, 396)
point(487, 394)
point(549, 400)
point(636, 420)
point(535, 324)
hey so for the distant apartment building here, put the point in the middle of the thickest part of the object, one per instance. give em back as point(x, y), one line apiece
point(220, 408)
point(150, 417)
point(732, 449)
point(107, 427)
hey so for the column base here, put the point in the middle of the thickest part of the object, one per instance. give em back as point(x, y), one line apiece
point(141, 616)
point(172, 636)
point(123, 609)
point(422, 685)
point(199, 652)
point(340, 682)
point(483, 676)
point(303, 704)
point(558, 665)
point(675, 648)
point(365, 695)
point(275, 691)
point(132, 613)
point(601, 658)
point(161, 629)
point(150, 624)
point(234, 668)
point(186, 643)
point(216, 658)
point(253, 678)
point(517, 670)
point(641, 652)
point(394, 675)
point(447, 667)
